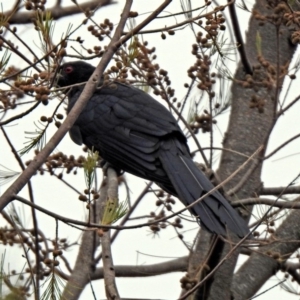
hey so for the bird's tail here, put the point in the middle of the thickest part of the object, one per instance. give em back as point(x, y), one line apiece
point(214, 211)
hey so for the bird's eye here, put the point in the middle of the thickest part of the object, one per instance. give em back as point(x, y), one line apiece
point(68, 69)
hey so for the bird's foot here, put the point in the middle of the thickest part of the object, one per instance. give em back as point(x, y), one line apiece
point(105, 165)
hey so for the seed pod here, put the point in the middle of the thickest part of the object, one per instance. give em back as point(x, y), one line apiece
point(82, 198)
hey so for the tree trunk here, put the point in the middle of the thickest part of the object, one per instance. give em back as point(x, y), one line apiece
point(249, 128)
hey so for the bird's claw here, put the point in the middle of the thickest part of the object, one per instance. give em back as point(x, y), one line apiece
point(105, 165)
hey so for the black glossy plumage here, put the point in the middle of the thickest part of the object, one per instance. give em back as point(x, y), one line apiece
point(137, 134)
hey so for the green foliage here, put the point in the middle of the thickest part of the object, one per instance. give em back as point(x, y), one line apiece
point(132, 51)
point(4, 60)
point(45, 27)
point(4, 18)
point(38, 139)
point(54, 288)
point(89, 167)
point(114, 211)
point(192, 113)
point(13, 292)
point(242, 5)
point(7, 175)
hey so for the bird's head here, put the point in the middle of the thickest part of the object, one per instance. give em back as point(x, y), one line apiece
point(74, 72)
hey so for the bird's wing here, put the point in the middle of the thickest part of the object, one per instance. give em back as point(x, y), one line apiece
point(75, 135)
point(137, 134)
point(126, 126)
point(214, 211)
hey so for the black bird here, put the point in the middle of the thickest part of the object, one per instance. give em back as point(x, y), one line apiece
point(137, 134)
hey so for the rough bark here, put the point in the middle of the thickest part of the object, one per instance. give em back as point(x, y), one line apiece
point(248, 129)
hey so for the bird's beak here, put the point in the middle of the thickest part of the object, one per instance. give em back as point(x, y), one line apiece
point(55, 77)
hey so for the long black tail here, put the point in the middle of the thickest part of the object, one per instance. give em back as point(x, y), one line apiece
point(214, 212)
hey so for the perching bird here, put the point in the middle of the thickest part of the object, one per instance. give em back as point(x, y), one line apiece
point(137, 134)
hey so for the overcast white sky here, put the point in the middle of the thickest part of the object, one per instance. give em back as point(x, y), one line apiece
point(139, 246)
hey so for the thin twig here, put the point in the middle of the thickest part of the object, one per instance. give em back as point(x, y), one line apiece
point(283, 110)
point(215, 268)
point(186, 124)
point(239, 38)
point(19, 53)
point(34, 218)
point(280, 190)
point(57, 12)
point(295, 204)
point(93, 225)
point(182, 12)
point(17, 36)
point(281, 146)
point(186, 22)
point(23, 114)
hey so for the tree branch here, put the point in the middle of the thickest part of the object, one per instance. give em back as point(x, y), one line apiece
point(280, 190)
point(111, 185)
point(84, 265)
point(295, 204)
point(281, 146)
point(57, 11)
point(239, 39)
point(261, 266)
point(175, 265)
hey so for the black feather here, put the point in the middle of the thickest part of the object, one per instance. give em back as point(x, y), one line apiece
point(135, 133)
